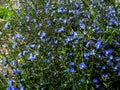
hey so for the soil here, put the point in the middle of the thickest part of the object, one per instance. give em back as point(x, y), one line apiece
point(2, 3)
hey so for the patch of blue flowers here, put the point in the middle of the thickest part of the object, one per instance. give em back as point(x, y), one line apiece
point(62, 46)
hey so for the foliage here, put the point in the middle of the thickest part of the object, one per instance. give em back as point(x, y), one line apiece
point(4, 12)
point(60, 46)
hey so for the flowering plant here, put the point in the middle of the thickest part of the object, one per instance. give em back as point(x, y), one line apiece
point(72, 45)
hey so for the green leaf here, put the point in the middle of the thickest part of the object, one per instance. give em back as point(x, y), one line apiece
point(106, 85)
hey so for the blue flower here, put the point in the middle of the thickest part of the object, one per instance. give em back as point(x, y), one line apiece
point(22, 88)
point(107, 15)
point(99, 56)
point(76, 42)
point(112, 11)
point(59, 2)
point(64, 10)
point(42, 84)
point(86, 55)
point(16, 71)
point(6, 25)
point(74, 35)
point(38, 46)
point(88, 44)
point(95, 80)
point(81, 80)
point(31, 45)
point(10, 82)
point(46, 10)
point(13, 63)
point(92, 52)
point(18, 36)
point(111, 57)
point(18, 12)
point(27, 18)
point(47, 4)
point(14, 45)
point(98, 44)
point(44, 61)
point(117, 59)
point(82, 65)
point(67, 39)
point(98, 30)
point(23, 39)
point(97, 86)
point(43, 36)
point(65, 21)
point(94, 24)
point(72, 70)
point(5, 62)
point(61, 29)
point(109, 60)
point(25, 52)
point(37, 12)
point(32, 57)
point(29, 28)
point(11, 88)
point(20, 55)
point(118, 10)
point(49, 53)
point(82, 26)
point(115, 68)
point(103, 67)
point(40, 24)
point(71, 63)
point(48, 61)
point(113, 21)
point(76, 5)
point(34, 20)
point(109, 51)
point(105, 76)
point(5, 75)
point(97, 65)
point(60, 10)
point(48, 23)
point(77, 12)
point(116, 42)
point(70, 54)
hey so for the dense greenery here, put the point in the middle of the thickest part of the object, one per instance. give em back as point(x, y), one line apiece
point(63, 45)
point(4, 12)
